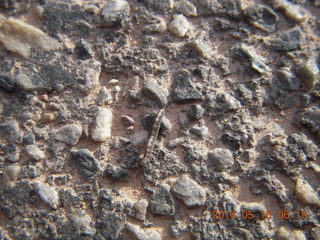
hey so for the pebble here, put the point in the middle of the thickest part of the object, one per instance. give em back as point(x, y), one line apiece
point(142, 233)
point(201, 132)
point(25, 83)
point(90, 74)
point(7, 82)
point(156, 25)
point(86, 161)
point(83, 223)
point(29, 138)
point(47, 194)
point(114, 81)
point(202, 45)
point(116, 173)
point(186, 8)
point(115, 12)
point(84, 50)
point(12, 172)
point(155, 92)
point(161, 202)
point(139, 209)
point(195, 112)
point(127, 121)
point(179, 25)
point(35, 152)
point(11, 131)
point(189, 191)
point(221, 159)
point(139, 138)
point(48, 117)
point(102, 126)
point(162, 6)
point(69, 134)
point(306, 194)
point(104, 96)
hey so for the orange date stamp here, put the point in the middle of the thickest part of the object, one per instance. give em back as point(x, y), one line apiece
point(259, 215)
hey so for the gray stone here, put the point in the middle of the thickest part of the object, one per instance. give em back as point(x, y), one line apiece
point(155, 25)
point(248, 55)
point(182, 89)
point(110, 225)
point(155, 92)
point(262, 17)
point(69, 134)
point(104, 96)
point(221, 159)
point(139, 209)
point(286, 41)
point(127, 120)
point(189, 191)
point(47, 194)
point(83, 223)
point(89, 75)
point(140, 138)
point(202, 45)
point(102, 126)
point(116, 173)
point(142, 233)
point(25, 83)
point(179, 25)
point(115, 12)
point(161, 202)
point(306, 194)
point(159, 5)
point(310, 118)
point(186, 8)
point(86, 161)
point(29, 138)
point(289, 9)
point(11, 131)
point(256, 209)
point(84, 50)
point(201, 132)
point(12, 172)
point(35, 152)
point(195, 112)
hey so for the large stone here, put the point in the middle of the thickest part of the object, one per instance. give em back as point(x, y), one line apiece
point(35, 152)
point(69, 134)
point(161, 202)
point(47, 194)
point(189, 191)
point(102, 126)
point(115, 12)
point(20, 37)
point(221, 159)
point(155, 92)
point(183, 90)
point(142, 233)
point(306, 194)
point(179, 25)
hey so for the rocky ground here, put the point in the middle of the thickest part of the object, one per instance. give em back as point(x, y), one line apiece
point(159, 119)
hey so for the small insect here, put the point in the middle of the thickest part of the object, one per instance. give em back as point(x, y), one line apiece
point(153, 136)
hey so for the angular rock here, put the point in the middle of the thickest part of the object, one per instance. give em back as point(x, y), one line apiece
point(189, 191)
point(186, 8)
point(182, 89)
point(290, 40)
point(35, 152)
point(47, 194)
point(84, 50)
point(115, 12)
point(289, 9)
point(159, 5)
point(306, 194)
point(87, 162)
point(248, 55)
point(155, 92)
point(7, 82)
point(195, 112)
point(179, 25)
point(110, 225)
point(20, 37)
point(12, 172)
point(83, 223)
point(90, 74)
point(104, 96)
point(25, 83)
point(139, 209)
point(148, 121)
point(161, 202)
point(201, 132)
point(69, 134)
point(155, 25)
point(202, 45)
point(262, 17)
point(142, 234)
point(102, 126)
point(11, 131)
point(116, 173)
point(256, 208)
point(221, 159)
point(284, 233)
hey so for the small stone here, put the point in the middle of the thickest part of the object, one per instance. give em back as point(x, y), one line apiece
point(186, 8)
point(221, 159)
point(156, 25)
point(161, 202)
point(139, 209)
point(83, 223)
point(262, 17)
point(140, 138)
point(110, 224)
point(310, 118)
point(201, 132)
point(90, 74)
point(175, 142)
point(202, 45)
point(87, 162)
point(160, 5)
point(116, 173)
point(25, 83)
point(104, 96)
point(130, 129)
point(103, 124)
point(148, 121)
point(142, 233)
point(48, 117)
point(29, 138)
point(182, 89)
point(47, 194)
point(69, 134)
point(256, 208)
point(306, 194)
point(12, 172)
point(308, 74)
point(155, 92)
point(115, 12)
point(179, 25)
point(20, 37)
point(11, 131)
point(286, 41)
point(189, 191)
point(35, 152)
point(195, 112)
point(127, 121)
point(7, 82)
point(84, 50)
